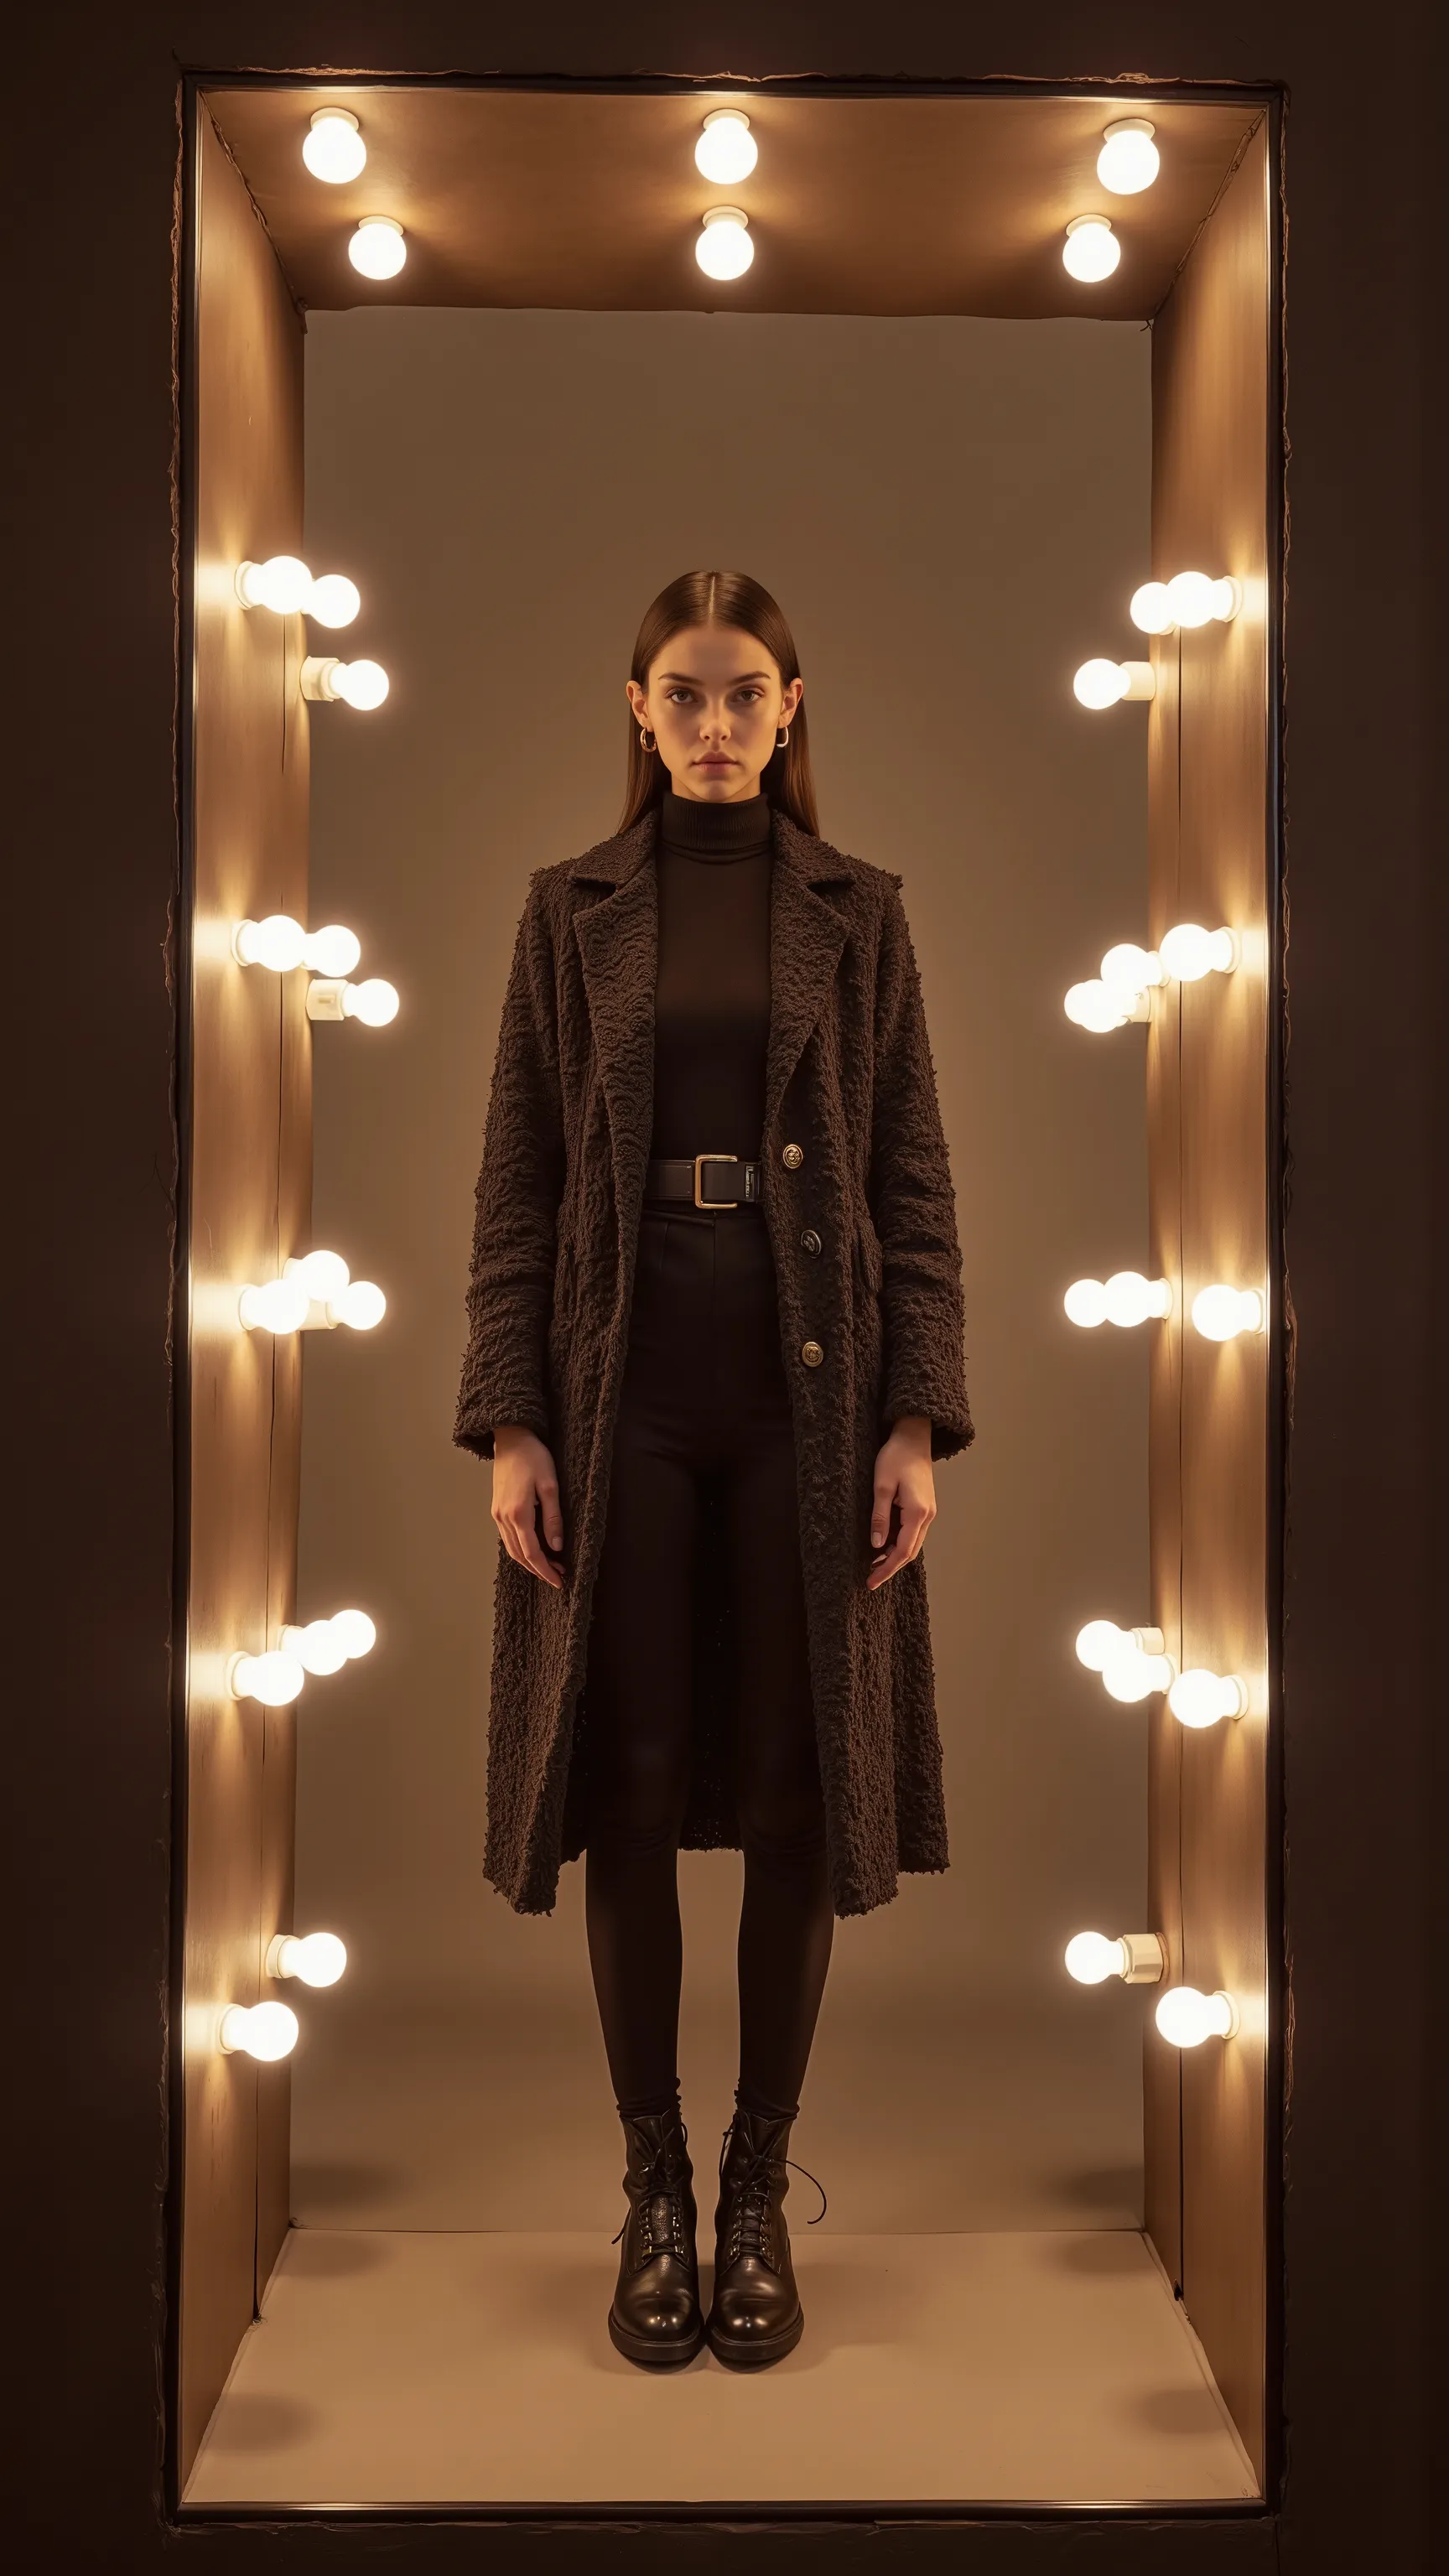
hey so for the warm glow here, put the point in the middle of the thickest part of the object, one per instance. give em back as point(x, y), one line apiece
point(1130, 969)
point(332, 950)
point(377, 248)
point(1129, 159)
point(322, 1274)
point(333, 600)
point(1096, 1006)
point(362, 684)
point(1149, 610)
point(279, 943)
point(265, 2031)
point(1091, 249)
point(1101, 1643)
point(333, 148)
point(276, 1306)
point(361, 1305)
point(1189, 952)
point(1220, 1313)
point(374, 1003)
point(1194, 598)
point(1091, 1958)
point(1187, 2018)
point(1124, 1299)
point(726, 150)
point(283, 583)
point(724, 249)
point(318, 1958)
point(274, 1680)
point(317, 1647)
point(1101, 683)
point(356, 1631)
point(1130, 1678)
point(1202, 1698)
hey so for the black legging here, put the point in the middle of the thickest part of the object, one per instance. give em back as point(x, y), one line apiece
point(704, 1392)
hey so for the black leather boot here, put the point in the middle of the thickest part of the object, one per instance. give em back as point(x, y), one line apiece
point(755, 2317)
point(655, 2319)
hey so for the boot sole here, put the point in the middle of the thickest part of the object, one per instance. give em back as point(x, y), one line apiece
point(755, 2355)
point(646, 2354)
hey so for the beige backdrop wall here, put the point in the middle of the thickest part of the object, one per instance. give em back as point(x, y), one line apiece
point(952, 513)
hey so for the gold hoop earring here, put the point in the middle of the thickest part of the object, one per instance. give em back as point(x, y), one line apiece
point(646, 745)
point(782, 737)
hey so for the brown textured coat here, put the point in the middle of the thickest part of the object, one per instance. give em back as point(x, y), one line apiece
point(849, 1078)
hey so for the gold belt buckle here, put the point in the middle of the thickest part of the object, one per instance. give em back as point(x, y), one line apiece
point(699, 1162)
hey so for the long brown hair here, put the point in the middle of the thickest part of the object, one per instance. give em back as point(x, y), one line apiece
point(721, 599)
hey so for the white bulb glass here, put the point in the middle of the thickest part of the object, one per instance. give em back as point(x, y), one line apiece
point(317, 1647)
point(274, 1680)
point(1149, 610)
point(1091, 249)
point(1091, 1958)
point(334, 600)
point(1189, 952)
point(1192, 598)
point(1202, 1698)
point(724, 248)
point(726, 150)
point(1136, 1676)
point(374, 1003)
point(279, 942)
point(1099, 683)
point(356, 1632)
point(276, 1306)
point(1220, 1313)
point(322, 1274)
point(1130, 969)
point(333, 950)
point(283, 583)
point(1129, 159)
point(318, 1958)
point(363, 685)
point(265, 2031)
point(1094, 1006)
point(333, 148)
point(1086, 1303)
point(1130, 1299)
point(362, 1305)
point(377, 248)
point(1187, 2018)
point(1101, 1642)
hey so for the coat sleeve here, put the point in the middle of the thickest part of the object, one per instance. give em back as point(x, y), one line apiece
point(913, 1206)
point(510, 1284)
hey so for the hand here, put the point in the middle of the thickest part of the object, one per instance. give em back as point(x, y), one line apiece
point(902, 1477)
point(525, 1485)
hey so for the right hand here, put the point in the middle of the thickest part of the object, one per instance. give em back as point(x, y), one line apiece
point(525, 1486)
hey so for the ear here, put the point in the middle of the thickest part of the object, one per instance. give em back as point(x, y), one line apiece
point(638, 702)
point(794, 692)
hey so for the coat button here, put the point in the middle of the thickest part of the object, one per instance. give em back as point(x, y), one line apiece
point(792, 1157)
point(810, 1240)
point(812, 1354)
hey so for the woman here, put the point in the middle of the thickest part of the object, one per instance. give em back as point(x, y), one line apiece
point(716, 1344)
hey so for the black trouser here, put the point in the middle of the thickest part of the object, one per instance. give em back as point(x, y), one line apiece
point(704, 1393)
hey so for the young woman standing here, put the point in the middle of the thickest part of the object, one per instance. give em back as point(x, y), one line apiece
point(716, 1345)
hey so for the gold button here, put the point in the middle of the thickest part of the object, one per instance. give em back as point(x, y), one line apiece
point(792, 1157)
point(812, 1354)
point(810, 1240)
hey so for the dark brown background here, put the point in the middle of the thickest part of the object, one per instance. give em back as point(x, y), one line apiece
point(93, 157)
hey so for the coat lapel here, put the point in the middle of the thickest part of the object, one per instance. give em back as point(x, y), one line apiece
point(618, 937)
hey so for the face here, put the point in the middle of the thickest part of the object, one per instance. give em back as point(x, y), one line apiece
point(713, 701)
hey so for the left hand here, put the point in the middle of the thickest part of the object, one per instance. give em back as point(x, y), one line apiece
point(903, 1477)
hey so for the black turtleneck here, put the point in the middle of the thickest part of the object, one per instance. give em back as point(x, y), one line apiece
point(712, 994)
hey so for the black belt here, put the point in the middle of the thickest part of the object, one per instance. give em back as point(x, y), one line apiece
point(685, 1179)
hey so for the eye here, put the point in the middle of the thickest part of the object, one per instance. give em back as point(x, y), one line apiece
point(677, 696)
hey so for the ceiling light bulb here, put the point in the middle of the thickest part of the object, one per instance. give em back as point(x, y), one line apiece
point(1132, 969)
point(724, 248)
point(726, 150)
point(1189, 952)
point(1187, 2018)
point(278, 942)
point(1202, 1698)
point(1091, 1958)
point(361, 1305)
point(1220, 1313)
point(322, 1274)
point(1194, 598)
point(1091, 249)
point(374, 1002)
point(276, 1306)
point(1101, 1642)
point(1101, 683)
point(275, 1680)
point(1094, 1005)
point(1129, 159)
point(265, 2031)
point(283, 584)
point(318, 1958)
point(317, 1648)
point(358, 1633)
point(1130, 1678)
point(378, 247)
point(333, 148)
point(332, 950)
point(333, 600)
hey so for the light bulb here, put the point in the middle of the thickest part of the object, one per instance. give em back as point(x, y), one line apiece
point(1221, 1313)
point(1130, 969)
point(1130, 1678)
point(322, 1274)
point(1202, 1698)
point(283, 584)
point(333, 600)
point(724, 248)
point(374, 1003)
point(1148, 609)
point(332, 950)
point(1187, 2018)
point(1101, 683)
point(275, 1679)
point(362, 685)
point(377, 248)
point(1101, 1642)
point(726, 150)
point(1131, 1299)
point(317, 1648)
point(1091, 1958)
point(357, 1632)
point(333, 148)
point(1091, 249)
point(1086, 1304)
point(1129, 159)
point(265, 2031)
point(318, 1958)
point(1194, 598)
point(1094, 1005)
point(277, 1306)
point(361, 1305)
point(278, 942)
point(1189, 952)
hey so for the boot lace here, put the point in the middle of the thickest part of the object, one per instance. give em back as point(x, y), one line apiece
point(659, 2208)
point(749, 2229)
